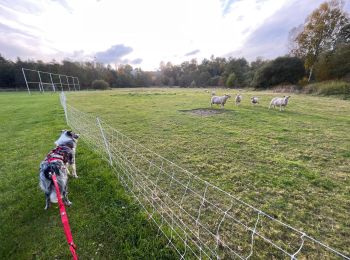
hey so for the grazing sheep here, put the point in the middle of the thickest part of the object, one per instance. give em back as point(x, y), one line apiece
point(280, 102)
point(238, 99)
point(254, 100)
point(219, 100)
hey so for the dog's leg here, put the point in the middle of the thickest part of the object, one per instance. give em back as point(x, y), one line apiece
point(74, 170)
point(65, 197)
point(66, 168)
point(48, 202)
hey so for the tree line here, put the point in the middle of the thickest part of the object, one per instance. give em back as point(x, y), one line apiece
point(320, 51)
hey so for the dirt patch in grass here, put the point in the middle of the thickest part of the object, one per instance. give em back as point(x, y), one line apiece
point(204, 111)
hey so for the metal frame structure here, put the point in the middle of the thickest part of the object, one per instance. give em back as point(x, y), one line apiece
point(52, 80)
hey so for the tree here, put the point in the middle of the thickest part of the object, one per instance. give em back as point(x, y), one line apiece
point(344, 35)
point(230, 82)
point(240, 67)
point(281, 70)
point(254, 66)
point(334, 64)
point(6, 73)
point(319, 33)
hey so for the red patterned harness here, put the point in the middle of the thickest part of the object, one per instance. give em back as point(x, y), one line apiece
point(60, 153)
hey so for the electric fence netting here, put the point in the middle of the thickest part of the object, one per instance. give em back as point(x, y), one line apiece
point(198, 219)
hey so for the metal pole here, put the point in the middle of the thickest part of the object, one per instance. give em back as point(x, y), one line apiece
point(53, 85)
point(25, 80)
point(104, 140)
point(40, 84)
point(78, 82)
point(73, 83)
point(67, 82)
point(64, 105)
point(59, 76)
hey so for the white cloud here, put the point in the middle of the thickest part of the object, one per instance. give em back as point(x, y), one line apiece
point(154, 30)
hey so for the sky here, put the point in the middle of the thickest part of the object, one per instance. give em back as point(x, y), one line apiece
point(143, 33)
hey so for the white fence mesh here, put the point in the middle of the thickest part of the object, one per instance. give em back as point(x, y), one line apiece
point(199, 219)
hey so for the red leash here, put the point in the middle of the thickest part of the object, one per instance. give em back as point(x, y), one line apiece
point(64, 219)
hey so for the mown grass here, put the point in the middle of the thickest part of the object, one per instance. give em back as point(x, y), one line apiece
point(106, 223)
point(293, 165)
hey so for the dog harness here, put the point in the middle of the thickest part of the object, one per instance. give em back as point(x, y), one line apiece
point(55, 161)
point(62, 153)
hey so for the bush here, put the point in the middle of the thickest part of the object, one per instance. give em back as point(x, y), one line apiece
point(230, 82)
point(100, 84)
point(283, 70)
point(334, 65)
point(303, 82)
point(328, 88)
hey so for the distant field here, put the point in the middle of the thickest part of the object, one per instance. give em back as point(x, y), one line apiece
point(293, 165)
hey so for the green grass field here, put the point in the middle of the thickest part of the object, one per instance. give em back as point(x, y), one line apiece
point(293, 165)
point(105, 222)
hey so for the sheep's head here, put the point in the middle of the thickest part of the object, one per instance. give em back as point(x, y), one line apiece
point(227, 95)
point(286, 99)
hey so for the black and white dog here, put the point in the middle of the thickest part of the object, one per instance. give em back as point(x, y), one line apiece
point(70, 139)
point(56, 162)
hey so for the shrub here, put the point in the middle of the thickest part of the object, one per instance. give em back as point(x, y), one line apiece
point(334, 65)
point(283, 70)
point(303, 82)
point(100, 84)
point(329, 88)
point(230, 82)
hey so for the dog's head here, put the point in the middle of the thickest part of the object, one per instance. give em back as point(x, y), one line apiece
point(68, 138)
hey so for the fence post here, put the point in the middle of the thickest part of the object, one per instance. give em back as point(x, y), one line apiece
point(64, 105)
point(25, 78)
point(41, 83)
point(104, 140)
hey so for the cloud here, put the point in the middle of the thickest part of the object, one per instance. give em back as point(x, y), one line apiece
point(271, 38)
point(225, 5)
point(136, 61)
point(23, 6)
point(5, 29)
point(64, 4)
point(113, 54)
point(68, 29)
point(192, 52)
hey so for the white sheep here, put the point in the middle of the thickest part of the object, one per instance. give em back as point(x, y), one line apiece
point(280, 102)
point(254, 100)
point(238, 99)
point(219, 100)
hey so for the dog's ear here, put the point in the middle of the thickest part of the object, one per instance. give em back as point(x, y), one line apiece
point(69, 133)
